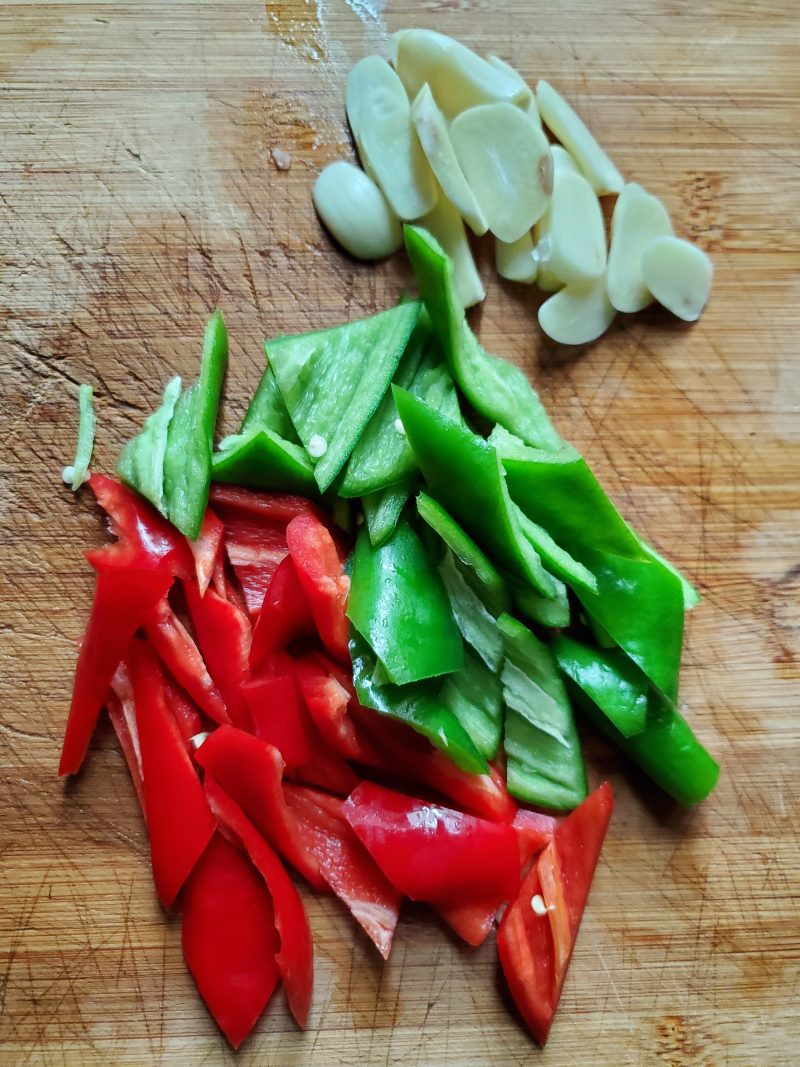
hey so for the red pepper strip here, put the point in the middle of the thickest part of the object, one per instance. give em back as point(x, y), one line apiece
point(146, 541)
point(281, 507)
point(255, 548)
point(324, 582)
point(526, 939)
point(119, 722)
point(206, 549)
point(328, 700)
point(179, 821)
point(432, 853)
point(223, 634)
point(181, 656)
point(183, 711)
point(296, 956)
point(284, 616)
point(229, 938)
point(279, 717)
point(122, 599)
point(326, 770)
point(534, 832)
point(346, 865)
point(472, 921)
point(250, 771)
point(122, 688)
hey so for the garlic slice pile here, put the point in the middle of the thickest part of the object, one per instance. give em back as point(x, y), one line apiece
point(447, 137)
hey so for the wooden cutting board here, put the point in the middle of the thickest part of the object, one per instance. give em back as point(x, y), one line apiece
point(138, 192)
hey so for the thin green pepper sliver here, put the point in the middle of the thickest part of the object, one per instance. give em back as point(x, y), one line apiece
point(475, 696)
point(78, 472)
point(465, 475)
point(332, 381)
point(551, 613)
point(261, 459)
point(417, 705)
point(666, 749)
point(382, 510)
point(496, 389)
point(609, 678)
point(399, 605)
point(545, 764)
point(267, 410)
point(187, 461)
point(141, 463)
point(477, 624)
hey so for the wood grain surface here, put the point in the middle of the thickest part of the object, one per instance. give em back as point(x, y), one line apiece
point(137, 191)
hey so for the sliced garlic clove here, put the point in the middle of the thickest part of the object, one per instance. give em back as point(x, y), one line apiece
point(573, 224)
point(445, 224)
point(438, 148)
point(678, 274)
point(638, 218)
point(578, 314)
point(506, 160)
point(562, 159)
point(528, 100)
point(570, 129)
point(458, 77)
point(355, 211)
point(379, 113)
point(547, 281)
point(515, 261)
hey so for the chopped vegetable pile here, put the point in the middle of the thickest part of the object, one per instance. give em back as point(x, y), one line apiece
point(447, 137)
point(349, 643)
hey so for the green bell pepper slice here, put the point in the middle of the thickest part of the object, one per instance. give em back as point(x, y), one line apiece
point(478, 570)
point(551, 613)
point(558, 561)
point(475, 696)
point(187, 460)
point(477, 624)
point(267, 410)
point(666, 749)
point(78, 472)
point(545, 764)
point(141, 462)
point(399, 605)
point(332, 381)
point(496, 389)
point(383, 508)
point(417, 705)
point(465, 475)
point(609, 678)
point(261, 459)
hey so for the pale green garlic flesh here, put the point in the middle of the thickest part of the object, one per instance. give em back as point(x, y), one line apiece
point(638, 218)
point(379, 113)
point(515, 261)
point(356, 212)
point(434, 137)
point(507, 162)
point(571, 131)
point(678, 274)
point(445, 224)
point(458, 78)
point(577, 314)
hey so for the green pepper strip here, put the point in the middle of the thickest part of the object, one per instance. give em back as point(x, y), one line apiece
point(465, 475)
point(77, 474)
point(477, 624)
point(267, 410)
point(399, 605)
point(187, 461)
point(382, 510)
point(496, 389)
point(551, 613)
point(417, 705)
point(261, 459)
point(610, 678)
point(475, 696)
point(141, 463)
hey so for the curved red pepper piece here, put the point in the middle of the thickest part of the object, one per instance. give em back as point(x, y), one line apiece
point(296, 956)
point(250, 771)
point(119, 721)
point(255, 547)
point(146, 541)
point(184, 712)
point(122, 599)
point(229, 938)
point(206, 549)
point(179, 821)
point(346, 865)
point(534, 832)
point(324, 582)
point(280, 507)
point(284, 616)
point(327, 696)
point(223, 634)
point(534, 942)
point(181, 656)
point(278, 716)
point(432, 853)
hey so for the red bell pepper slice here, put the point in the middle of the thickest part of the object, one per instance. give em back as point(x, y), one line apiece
point(122, 599)
point(255, 548)
point(179, 821)
point(184, 712)
point(534, 944)
point(326, 770)
point(146, 541)
point(207, 549)
point(432, 853)
point(229, 938)
point(250, 771)
point(223, 634)
point(324, 582)
point(534, 832)
point(327, 696)
point(278, 507)
point(296, 956)
point(120, 723)
point(346, 865)
point(181, 656)
point(279, 718)
point(284, 616)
